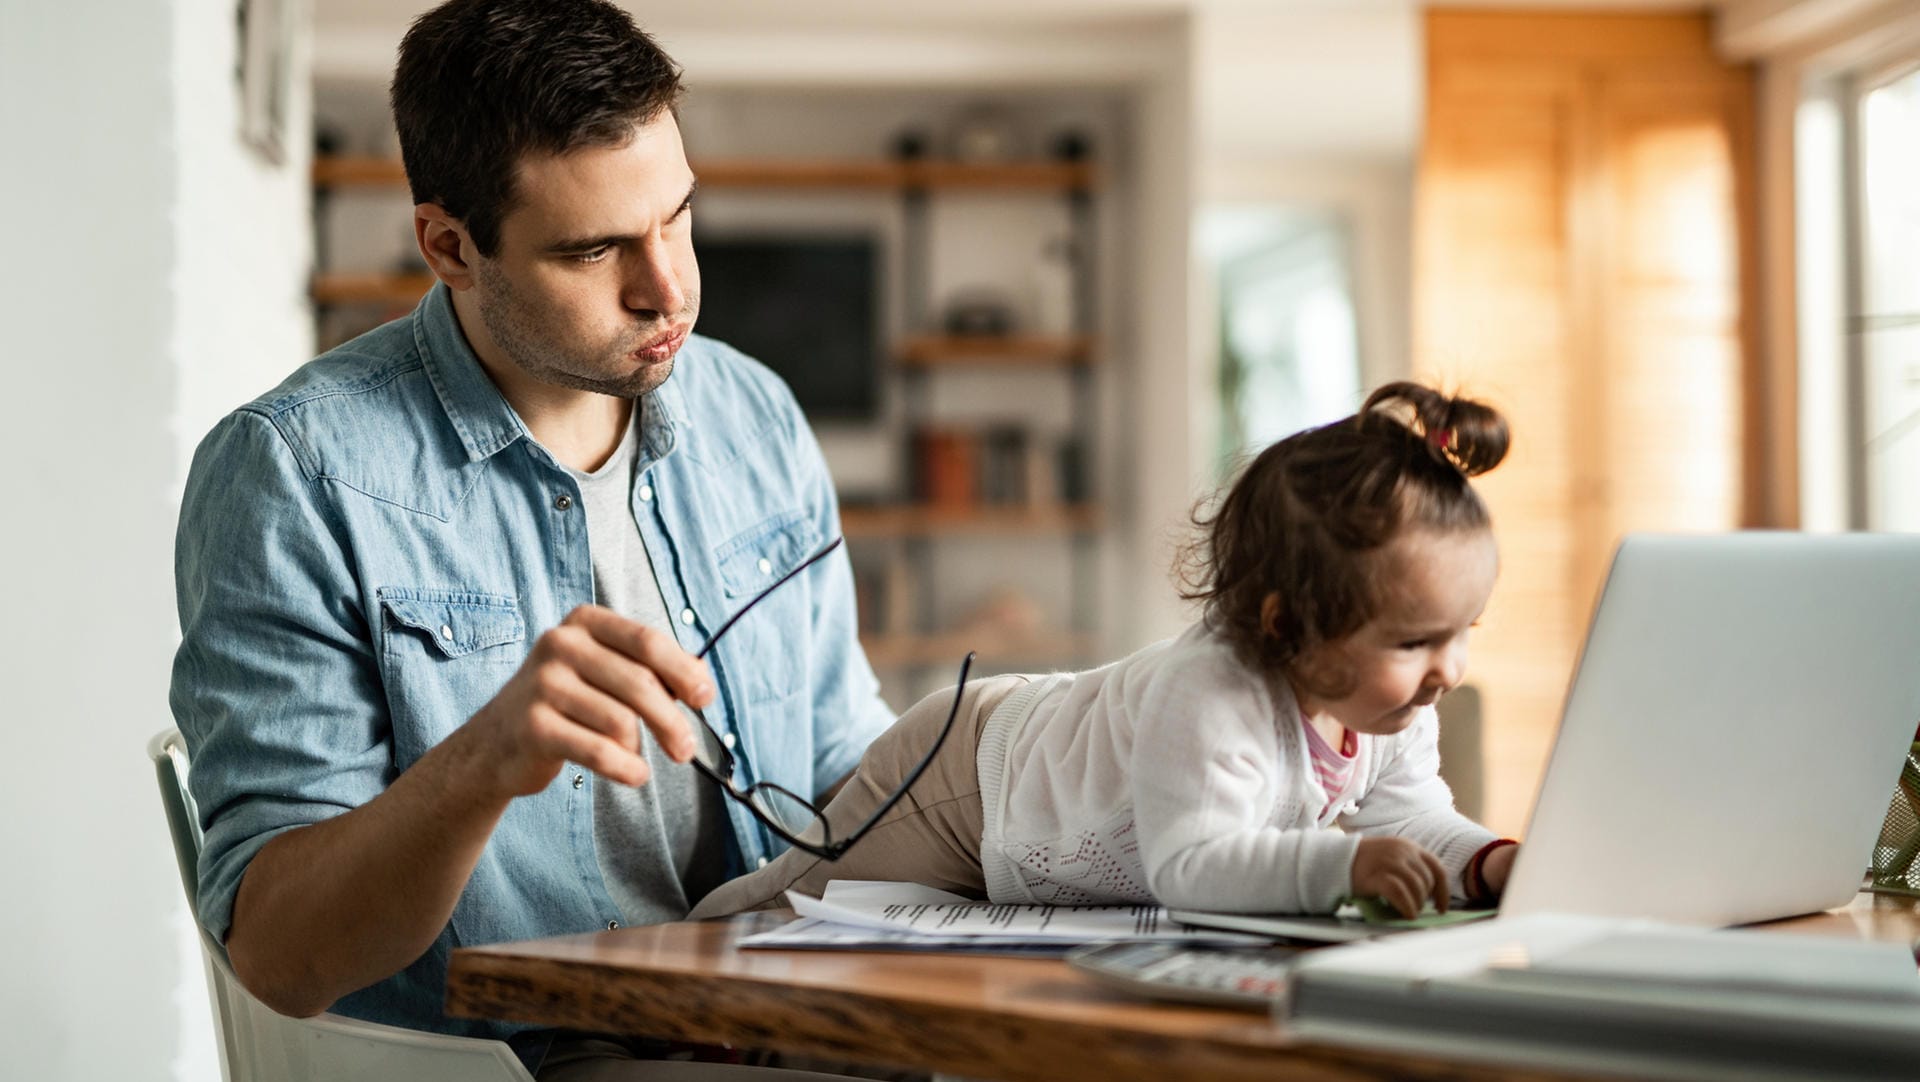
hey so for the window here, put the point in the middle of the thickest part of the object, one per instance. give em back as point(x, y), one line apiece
point(1884, 318)
point(1285, 326)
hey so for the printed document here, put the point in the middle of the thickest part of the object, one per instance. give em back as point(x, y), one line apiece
point(911, 915)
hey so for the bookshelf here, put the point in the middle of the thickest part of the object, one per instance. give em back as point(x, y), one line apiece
point(902, 634)
point(968, 484)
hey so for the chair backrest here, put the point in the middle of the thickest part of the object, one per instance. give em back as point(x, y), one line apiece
point(256, 1043)
point(169, 755)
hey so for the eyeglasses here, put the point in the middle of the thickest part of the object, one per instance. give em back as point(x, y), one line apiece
point(793, 817)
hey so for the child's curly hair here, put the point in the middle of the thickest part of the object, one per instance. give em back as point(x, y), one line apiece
point(1308, 518)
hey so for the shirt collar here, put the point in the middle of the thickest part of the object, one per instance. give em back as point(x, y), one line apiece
point(481, 415)
point(479, 412)
point(663, 415)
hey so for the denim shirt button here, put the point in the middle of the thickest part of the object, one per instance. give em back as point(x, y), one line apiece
point(727, 739)
point(612, 924)
point(562, 502)
point(766, 566)
point(761, 863)
point(686, 616)
point(579, 780)
point(646, 493)
point(446, 632)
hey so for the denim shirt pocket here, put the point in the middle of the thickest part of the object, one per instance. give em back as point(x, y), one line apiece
point(751, 561)
point(444, 654)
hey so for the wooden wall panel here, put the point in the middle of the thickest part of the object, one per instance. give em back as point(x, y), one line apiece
point(1581, 260)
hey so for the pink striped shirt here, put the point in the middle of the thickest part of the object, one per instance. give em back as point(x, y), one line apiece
point(1331, 767)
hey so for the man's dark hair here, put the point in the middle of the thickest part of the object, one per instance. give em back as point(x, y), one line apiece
point(482, 83)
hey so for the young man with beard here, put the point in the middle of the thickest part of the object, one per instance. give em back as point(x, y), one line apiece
point(440, 589)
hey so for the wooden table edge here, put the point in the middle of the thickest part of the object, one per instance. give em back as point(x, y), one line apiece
point(743, 1010)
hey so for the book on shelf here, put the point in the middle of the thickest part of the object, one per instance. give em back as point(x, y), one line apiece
point(1000, 465)
point(945, 467)
point(1003, 466)
point(883, 594)
point(867, 594)
point(1042, 474)
point(1071, 465)
point(896, 594)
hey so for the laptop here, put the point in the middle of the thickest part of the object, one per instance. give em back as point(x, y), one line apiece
point(1733, 733)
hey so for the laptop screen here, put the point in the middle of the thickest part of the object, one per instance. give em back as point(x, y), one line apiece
point(1733, 732)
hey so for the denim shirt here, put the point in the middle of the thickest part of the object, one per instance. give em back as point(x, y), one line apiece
point(367, 552)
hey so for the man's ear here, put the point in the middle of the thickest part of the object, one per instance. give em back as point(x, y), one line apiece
point(445, 245)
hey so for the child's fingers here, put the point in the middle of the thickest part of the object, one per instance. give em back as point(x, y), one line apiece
point(1439, 890)
point(1404, 892)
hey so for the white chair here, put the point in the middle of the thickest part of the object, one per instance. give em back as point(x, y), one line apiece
point(257, 1044)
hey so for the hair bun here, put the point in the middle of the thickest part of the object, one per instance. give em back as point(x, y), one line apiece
point(1468, 435)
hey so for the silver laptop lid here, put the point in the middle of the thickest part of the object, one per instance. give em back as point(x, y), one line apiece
point(1733, 732)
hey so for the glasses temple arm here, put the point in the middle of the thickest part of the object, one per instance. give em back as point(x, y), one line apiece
point(925, 762)
point(762, 595)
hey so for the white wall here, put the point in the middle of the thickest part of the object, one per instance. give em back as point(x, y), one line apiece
point(1335, 80)
point(112, 233)
point(242, 224)
point(89, 626)
point(1167, 402)
point(242, 253)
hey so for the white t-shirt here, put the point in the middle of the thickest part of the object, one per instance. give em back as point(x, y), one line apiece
point(1179, 775)
point(660, 846)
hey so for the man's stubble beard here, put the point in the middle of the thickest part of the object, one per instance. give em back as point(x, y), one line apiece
point(532, 347)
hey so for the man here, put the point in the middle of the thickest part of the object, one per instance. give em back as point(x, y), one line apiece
point(440, 589)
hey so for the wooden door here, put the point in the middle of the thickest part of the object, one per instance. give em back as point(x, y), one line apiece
point(1582, 260)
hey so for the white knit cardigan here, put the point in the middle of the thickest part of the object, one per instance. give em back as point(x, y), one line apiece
point(1179, 775)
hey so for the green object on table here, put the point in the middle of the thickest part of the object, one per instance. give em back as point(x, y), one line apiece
point(1377, 911)
point(1896, 856)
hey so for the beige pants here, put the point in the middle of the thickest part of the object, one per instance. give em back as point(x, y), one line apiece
point(931, 837)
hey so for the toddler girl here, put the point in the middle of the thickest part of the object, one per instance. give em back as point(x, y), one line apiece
point(1339, 577)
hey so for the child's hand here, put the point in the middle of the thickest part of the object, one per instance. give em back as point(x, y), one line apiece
point(1401, 873)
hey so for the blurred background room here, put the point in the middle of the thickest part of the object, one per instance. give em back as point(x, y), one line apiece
point(1040, 272)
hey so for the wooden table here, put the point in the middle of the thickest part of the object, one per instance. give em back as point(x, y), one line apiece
point(1016, 1019)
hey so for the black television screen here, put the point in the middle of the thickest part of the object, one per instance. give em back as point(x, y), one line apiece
point(806, 306)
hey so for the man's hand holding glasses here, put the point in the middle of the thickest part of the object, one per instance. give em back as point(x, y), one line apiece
point(581, 696)
point(590, 683)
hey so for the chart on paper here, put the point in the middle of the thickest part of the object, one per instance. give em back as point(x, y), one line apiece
point(912, 910)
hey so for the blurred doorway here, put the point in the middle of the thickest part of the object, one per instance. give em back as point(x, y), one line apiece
point(1285, 327)
point(1582, 261)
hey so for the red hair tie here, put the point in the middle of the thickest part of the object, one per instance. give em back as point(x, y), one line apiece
point(1440, 439)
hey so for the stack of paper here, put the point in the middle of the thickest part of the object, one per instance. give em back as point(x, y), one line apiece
point(905, 916)
point(1614, 995)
